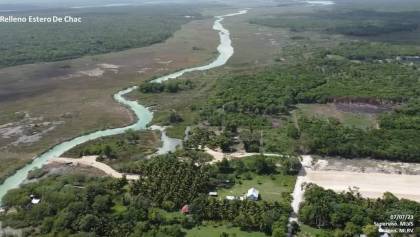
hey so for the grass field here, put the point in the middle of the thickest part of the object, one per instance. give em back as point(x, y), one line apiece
point(216, 229)
point(164, 103)
point(306, 231)
point(352, 119)
point(272, 188)
point(124, 148)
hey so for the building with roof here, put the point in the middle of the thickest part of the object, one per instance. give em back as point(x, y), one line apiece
point(185, 209)
point(253, 194)
point(213, 194)
point(230, 198)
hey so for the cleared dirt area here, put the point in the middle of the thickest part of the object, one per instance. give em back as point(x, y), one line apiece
point(334, 175)
point(90, 161)
point(371, 178)
point(364, 165)
point(371, 185)
point(357, 115)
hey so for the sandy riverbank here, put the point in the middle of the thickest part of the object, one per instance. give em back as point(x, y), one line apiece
point(91, 161)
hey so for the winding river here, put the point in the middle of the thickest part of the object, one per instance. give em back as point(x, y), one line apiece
point(143, 114)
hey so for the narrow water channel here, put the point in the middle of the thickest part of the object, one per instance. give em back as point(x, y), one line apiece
point(143, 114)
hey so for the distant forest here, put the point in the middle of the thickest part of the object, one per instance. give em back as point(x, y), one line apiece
point(360, 23)
point(102, 30)
point(245, 105)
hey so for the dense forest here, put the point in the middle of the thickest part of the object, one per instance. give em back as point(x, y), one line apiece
point(348, 214)
point(373, 51)
point(172, 86)
point(102, 30)
point(131, 144)
point(397, 139)
point(246, 106)
point(361, 23)
point(74, 205)
point(81, 206)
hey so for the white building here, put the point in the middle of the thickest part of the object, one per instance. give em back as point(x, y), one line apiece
point(253, 194)
point(35, 200)
point(213, 194)
point(230, 198)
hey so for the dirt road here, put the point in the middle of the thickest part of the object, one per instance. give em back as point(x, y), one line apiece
point(91, 161)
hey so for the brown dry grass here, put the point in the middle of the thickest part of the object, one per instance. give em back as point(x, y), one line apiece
point(46, 89)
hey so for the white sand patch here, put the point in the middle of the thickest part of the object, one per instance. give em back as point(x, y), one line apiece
point(161, 69)
point(97, 72)
point(11, 130)
point(362, 165)
point(159, 61)
point(26, 139)
point(91, 161)
point(218, 155)
point(323, 3)
point(320, 164)
point(32, 138)
point(299, 190)
point(68, 76)
point(143, 70)
point(108, 66)
point(273, 42)
point(370, 185)
point(28, 130)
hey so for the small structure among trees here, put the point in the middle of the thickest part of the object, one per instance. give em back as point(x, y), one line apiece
point(253, 194)
point(185, 209)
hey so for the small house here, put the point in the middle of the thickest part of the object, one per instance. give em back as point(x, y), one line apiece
point(213, 194)
point(34, 200)
point(185, 209)
point(231, 198)
point(253, 194)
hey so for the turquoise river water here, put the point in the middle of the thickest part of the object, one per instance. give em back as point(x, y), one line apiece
point(143, 114)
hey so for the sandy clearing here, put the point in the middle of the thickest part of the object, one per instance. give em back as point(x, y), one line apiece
point(218, 155)
point(97, 72)
point(108, 66)
point(370, 185)
point(91, 161)
point(365, 165)
point(298, 191)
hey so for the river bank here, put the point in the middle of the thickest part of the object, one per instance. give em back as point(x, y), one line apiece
point(143, 114)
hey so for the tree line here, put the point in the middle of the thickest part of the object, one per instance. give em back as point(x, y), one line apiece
point(103, 30)
point(348, 214)
point(76, 205)
point(246, 107)
point(172, 86)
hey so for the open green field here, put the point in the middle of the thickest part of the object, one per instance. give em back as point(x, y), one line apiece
point(351, 119)
point(181, 102)
point(216, 229)
point(307, 231)
point(120, 151)
point(272, 188)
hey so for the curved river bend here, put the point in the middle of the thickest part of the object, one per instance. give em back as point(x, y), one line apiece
point(143, 114)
